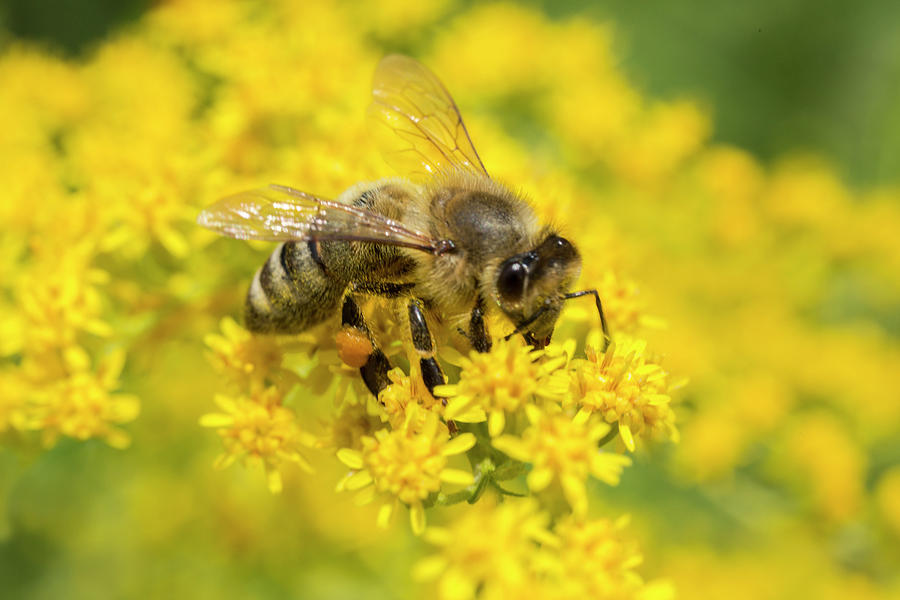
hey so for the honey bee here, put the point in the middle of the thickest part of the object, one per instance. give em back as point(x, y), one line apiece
point(449, 241)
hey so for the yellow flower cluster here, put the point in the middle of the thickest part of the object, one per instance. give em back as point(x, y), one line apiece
point(778, 287)
point(624, 388)
point(260, 430)
point(498, 383)
point(406, 464)
point(512, 549)
point(559, 447)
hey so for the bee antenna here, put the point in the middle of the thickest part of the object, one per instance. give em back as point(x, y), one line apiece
point(521, 326)
point(606, 337)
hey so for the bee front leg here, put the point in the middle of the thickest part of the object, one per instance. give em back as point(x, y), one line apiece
point(375, 370)
point(478, 334)
point(432, 374)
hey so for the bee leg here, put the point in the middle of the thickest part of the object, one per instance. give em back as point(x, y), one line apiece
point(422, 342)
point(478, 334)
point(375, 371)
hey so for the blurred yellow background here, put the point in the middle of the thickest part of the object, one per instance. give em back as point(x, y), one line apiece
point(761, 261)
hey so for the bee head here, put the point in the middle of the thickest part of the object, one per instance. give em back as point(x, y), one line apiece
point(530, 287)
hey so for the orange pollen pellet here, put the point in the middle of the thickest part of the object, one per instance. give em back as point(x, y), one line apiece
point(353, 346)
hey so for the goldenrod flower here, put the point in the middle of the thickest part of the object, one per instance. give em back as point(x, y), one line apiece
point(352, 422)
point(261, 431)
point(562, 449)
point(509, 550)
point(595, 560)
point(500, 382)
point(81, 405)
point(59, 302)
point(407, 464)
point(403, 391)
point(246, 358)
point(487, 551)
point(625, 388)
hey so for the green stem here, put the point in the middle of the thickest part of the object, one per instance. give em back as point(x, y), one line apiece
point(613, 432)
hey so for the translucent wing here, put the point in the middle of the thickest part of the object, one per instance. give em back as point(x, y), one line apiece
point(417, 123)
point(280, 213)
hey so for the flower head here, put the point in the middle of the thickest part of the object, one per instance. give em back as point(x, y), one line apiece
point(352, 422)
point(500, 382)
point(625, 388)
point(487, 551)
point(245, 358)
point(403, 391)
point(260, 430)
point(81, 406)
point(560, 448)
point(595, 560)
point(59, 303)
point(406, 464)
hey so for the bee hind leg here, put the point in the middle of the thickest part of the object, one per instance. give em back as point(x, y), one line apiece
point(375, 370)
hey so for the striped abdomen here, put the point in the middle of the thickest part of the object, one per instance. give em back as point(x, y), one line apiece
point(293, 290)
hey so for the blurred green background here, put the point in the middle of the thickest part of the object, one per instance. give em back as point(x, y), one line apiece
point(779, 76)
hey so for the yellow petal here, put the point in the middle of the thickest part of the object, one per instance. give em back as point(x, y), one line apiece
point(658, 589)
point(496, 422)
point(539, 478)
point(358, 480)
point(126, 408)
point(533, 413)
point(384, 515)
point(459, 444)
point(231, 329)
point(118, 439)
point(625, 434)
point(658, 399)
point(474, 414)
point(513, 447)
point(77, 358)
point(351, 458)
point(417, 518)
point(216, 420)
point(598, 430)
point(456, 477)
point(456, 585)
point(575, 492)
point(429, 568)
point(438, 536)
point(582, 416)
point(608, 467)
point(98, 328)
point(111, 367)
point(225, 403)
point(364, 496)
point(444, 391)
point(456, 406)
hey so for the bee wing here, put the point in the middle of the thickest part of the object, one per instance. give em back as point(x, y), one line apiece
point(279, 213)
point(417, 123)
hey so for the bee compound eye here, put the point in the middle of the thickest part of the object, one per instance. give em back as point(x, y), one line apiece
point(511, 282)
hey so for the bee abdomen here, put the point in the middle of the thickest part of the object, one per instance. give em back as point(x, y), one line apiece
point(292, 291)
